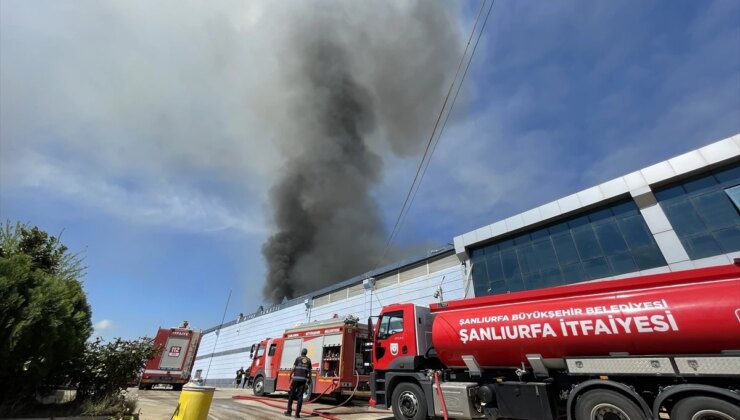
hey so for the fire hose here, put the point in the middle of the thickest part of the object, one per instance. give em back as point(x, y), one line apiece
point(357, 384)
point(441, 396)
point(267, 401)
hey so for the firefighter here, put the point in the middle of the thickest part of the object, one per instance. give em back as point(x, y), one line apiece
point(239, 376)
point(300, 377)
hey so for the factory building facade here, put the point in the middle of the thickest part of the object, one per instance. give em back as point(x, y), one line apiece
point(678, 214)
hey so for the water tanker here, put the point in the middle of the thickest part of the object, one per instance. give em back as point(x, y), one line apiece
point(649, 347)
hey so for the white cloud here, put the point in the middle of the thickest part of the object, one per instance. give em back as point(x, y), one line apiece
point(138, 102)
point(103, 325)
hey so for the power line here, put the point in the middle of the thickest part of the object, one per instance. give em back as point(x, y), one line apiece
point(447, 117)
point(431, 144)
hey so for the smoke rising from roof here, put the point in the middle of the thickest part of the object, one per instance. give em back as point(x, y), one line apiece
point(359, 81)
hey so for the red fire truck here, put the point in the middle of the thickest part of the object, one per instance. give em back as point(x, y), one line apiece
point(174, 364)
point(663, 346)
point(336, 347)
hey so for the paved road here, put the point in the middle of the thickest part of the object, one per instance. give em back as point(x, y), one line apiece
point(159, 405)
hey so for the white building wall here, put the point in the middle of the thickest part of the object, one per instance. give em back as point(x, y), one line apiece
point(231, 344)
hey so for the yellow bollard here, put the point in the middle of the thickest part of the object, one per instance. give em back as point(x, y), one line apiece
point(195, 401)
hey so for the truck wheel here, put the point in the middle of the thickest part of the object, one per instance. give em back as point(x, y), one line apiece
point(409, 402)
point(704, 408)
point(258, 388)
point(601, 404)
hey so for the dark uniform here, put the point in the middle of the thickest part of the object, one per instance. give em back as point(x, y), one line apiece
point(301, 376)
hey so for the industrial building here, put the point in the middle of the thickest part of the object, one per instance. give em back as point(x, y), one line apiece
point(674, 215)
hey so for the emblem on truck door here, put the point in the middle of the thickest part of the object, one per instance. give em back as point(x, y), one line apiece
point(394, 349)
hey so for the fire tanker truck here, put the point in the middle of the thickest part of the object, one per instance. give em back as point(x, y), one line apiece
point(336, 347)
point(663, 346)
point(174, 364)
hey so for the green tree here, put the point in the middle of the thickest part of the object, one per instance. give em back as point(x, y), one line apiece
point(44, 314)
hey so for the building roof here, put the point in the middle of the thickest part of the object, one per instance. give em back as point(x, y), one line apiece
point(446, 249)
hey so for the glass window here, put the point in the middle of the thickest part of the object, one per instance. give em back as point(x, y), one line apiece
point(601, 243)
point(596, 268)
point(622, 263)
point(701, 246)
point(648, 257)
point(684, 218)
point(672, 193)
point(635, 232)
point(542, 233)
point(480, 277)
point(509, 263)
point(588, 246)
point(260, 351)
point(699, 184)
point(560, 227)
point(532, 281)
point(544, 254)
point(734, 194)
point(552, 277)
point(610, 238)
point(493, 263)
point(628, 208)
point(578, 221)
point(273, 347)
point(565, 248)
point(573, 273)
point(390, 323)
point(715, 209)
point(515, 283)
point(525, 256)
point(600, 216)
point(728, 239)
point(704, 212)
point(731, 174)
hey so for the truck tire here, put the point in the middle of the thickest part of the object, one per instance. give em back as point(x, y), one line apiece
point(258, 387)
point(704, 408)
point(601, 404)
point(409, 402)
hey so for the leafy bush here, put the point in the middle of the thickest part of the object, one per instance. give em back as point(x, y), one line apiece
point(44, 314)
point(107, 369)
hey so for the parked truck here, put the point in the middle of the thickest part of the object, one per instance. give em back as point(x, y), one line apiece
point(663, 346)
point(174, 364)
point(336, 347)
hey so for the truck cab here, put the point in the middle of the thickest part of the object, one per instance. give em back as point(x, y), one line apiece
point(265, 357)
point(402, 346)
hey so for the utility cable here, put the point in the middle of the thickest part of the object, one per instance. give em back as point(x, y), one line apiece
point(454, 99)
point(406, 203)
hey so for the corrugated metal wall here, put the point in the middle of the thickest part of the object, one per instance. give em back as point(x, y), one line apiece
point(231, 350)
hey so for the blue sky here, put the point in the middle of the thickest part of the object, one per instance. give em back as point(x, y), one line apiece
point(114, 129)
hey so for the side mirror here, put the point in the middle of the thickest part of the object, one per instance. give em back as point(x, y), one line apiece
point(251, 352)
point(371, 329)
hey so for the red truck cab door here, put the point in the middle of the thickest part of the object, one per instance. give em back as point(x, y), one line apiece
point(395, 338)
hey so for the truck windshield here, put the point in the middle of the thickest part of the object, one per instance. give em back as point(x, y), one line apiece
point(260, 351)
point(389, 324)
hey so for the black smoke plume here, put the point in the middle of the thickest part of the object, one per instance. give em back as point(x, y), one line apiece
point(361, 80)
